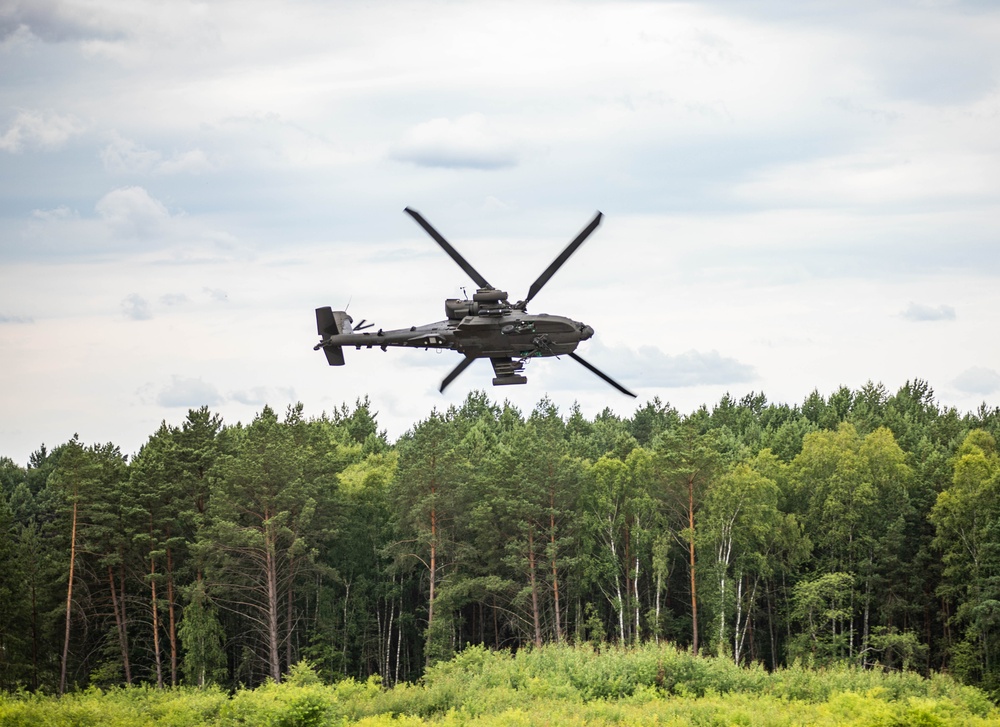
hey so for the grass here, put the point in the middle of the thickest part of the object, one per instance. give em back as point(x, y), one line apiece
point(554, 685)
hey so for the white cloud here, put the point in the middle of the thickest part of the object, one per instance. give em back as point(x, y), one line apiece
point(468, 142)
point(649, 367)
point(920, 312)
point(770, 171)
point(15, 319)
point(171, 299)
point(875, 178)
point(55, 21)
point(189, 162)
point(136, 307)
point(216, 294)
point(194, 392)
point(132, 212)
point(978, 380)
point(59, 213)
point(32, 129)
point(652, 367)
point(188, 392)
point(124, 156)
point(261, 395)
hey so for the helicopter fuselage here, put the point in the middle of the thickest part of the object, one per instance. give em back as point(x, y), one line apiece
point(508, 334)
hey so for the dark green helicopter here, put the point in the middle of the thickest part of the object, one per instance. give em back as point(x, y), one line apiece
point(488, 326)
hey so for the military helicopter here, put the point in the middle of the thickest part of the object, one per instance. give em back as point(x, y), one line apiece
point(488, 326)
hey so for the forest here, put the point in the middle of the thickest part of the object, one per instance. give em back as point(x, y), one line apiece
point(856, 530)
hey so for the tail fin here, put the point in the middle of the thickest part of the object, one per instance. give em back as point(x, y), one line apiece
point(331, 322)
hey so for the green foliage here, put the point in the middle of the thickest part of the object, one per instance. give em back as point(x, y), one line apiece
point(859, 528)
point(967, 519)
point(553, 685)
point(202, 638)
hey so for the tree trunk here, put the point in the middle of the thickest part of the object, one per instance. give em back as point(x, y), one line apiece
point(172, 633)
point(343, 640)
point(69, 597)
point(722, 610)
point(272, 611)
point(120, 625)
point(555, 571)
point(156, 623)
point(496, 626)
point(433, 571)
point(534, 587)
point(399, 639)
point(659, 589)
point(289, 622)
point(627, 562)
point(620, 605)
point(694, 588)
point(770, 628)
point(34, 636)
point(386, 671)
point(737, 640)
point(635, 588)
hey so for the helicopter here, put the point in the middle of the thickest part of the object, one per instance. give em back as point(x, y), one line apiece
point(488, 326)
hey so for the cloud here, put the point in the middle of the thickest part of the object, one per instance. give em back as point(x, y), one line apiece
point(124, 156)
point(493, 204)
point(189, 162)
point(652, 367)
point(173, 299)
point(59, 213)
point(132, 212)
point(39, 130)
point(260, 395)
point(919, 312)
point(189, 393)
point(978, 380)
point(943, 71)
point(216, 294)
point(136, 307)
point(469, 142)
point(54, 21)
point(15, 319)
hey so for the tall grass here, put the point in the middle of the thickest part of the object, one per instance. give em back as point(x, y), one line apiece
point(557, 685)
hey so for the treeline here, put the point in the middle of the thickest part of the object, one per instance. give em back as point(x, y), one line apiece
point(861, 528)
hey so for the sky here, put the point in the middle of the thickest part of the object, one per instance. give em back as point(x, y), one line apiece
point(797, 197)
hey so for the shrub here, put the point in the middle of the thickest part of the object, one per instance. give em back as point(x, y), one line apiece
point(555, 684)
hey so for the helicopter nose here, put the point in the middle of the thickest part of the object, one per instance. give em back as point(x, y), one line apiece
point(586, 332)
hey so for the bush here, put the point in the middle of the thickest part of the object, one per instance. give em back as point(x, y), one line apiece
point(555, 684)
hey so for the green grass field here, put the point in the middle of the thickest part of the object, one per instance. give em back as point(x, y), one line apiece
point(549, 686)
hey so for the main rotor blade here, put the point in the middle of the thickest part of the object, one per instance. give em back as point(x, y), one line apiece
point(563, 257)
point(462, 366)
point(446, 246)
point(600, 373)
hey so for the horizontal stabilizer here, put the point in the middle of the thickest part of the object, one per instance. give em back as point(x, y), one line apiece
point(334, 355)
